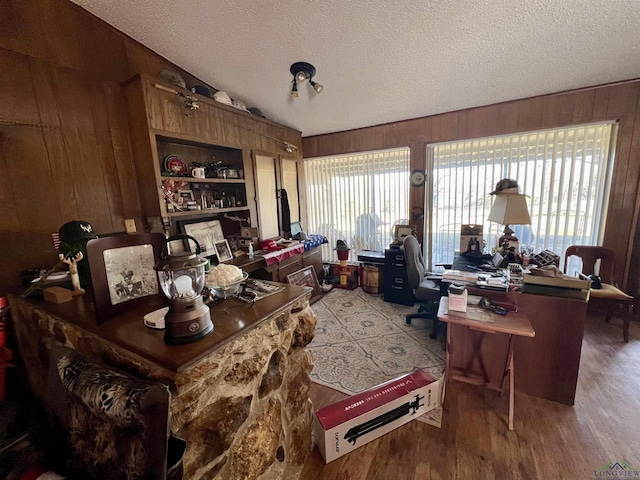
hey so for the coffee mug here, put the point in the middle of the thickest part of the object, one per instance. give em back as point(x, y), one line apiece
point(198, 172)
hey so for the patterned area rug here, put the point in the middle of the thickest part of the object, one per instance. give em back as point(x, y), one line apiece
point(362, 341)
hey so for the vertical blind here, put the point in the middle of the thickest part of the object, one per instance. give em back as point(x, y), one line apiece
point(357, 198)
point(566, 174)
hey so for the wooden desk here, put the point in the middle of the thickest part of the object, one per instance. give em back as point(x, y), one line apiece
point(278, 271)
point(512, 324)
point(549, 363)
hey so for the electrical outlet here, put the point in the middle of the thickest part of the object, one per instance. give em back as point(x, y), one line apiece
point(130, 225)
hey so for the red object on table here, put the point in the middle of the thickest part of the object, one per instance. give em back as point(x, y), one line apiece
point(5, 356)
point(281, 254)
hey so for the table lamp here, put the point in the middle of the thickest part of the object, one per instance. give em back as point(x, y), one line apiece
point(509, 208)
point(181, 276)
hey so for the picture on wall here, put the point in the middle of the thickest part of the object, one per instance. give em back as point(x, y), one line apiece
point(206, 232)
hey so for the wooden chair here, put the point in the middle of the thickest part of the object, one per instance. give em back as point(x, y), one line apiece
point(609, 293)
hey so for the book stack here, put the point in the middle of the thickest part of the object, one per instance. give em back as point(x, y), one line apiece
point(460, 277)
point(490, 282)
point(564, 286)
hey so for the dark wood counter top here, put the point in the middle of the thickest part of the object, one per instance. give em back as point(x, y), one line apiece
point(231, 318)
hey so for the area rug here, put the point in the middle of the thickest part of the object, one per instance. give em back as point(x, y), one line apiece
point(362, 341)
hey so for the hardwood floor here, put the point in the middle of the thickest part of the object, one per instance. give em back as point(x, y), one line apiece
point(550, 441)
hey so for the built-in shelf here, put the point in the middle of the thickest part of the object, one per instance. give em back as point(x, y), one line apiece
point(209, 211)
point(205, 180)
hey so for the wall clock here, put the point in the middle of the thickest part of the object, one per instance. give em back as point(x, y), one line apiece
point(418, 177)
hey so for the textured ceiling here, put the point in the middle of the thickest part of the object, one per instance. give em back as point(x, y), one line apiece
point(383, 61)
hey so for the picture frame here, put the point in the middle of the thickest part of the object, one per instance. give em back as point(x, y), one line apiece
point(296, 228)
point(306, 277)
point(223, 251)
point(186, 195)
point(401, 231)
point(206, 231)
point(122, 273)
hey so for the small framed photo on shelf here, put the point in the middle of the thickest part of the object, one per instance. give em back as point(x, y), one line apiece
point(206, 231)
point(185, 196)
point(223, 250)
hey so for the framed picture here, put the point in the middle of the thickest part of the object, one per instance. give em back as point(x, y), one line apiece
point(401, 231)
point(122, 272)
point(223, 250)
point(306, 278)
point(296, 228)
point(206, 231)
point(186, 195)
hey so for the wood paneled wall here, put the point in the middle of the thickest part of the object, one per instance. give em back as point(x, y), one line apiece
point(611, 102)
point(65, 146)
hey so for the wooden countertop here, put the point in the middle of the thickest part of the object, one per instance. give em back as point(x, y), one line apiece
point(231, 318)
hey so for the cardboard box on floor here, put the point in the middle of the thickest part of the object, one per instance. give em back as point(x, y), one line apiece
point(342, 427)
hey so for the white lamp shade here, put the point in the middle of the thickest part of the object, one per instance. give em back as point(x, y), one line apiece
point(510, 209)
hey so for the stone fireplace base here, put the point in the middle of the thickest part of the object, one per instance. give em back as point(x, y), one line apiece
point(243, 409)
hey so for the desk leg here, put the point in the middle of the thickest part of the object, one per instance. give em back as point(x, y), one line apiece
point(477, 354)
point(511, 394)
point(511, 384)
point(447, 364)
point(507, 366)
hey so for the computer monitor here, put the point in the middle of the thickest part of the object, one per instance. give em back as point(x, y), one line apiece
point(296, 227)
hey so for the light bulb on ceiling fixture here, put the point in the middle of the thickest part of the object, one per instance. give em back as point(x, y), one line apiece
point(301, 76)
point(303, 71)
point(316, 86)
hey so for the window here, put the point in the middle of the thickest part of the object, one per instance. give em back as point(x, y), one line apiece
point(357, 198)
point(565, 173)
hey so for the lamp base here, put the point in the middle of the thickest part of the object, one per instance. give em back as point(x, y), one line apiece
point(187, 322)
point(508, 239)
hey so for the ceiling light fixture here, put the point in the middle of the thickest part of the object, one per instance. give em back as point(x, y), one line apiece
point(301, 72)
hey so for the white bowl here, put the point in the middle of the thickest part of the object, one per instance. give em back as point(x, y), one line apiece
point(231, 290)
point(326, 287)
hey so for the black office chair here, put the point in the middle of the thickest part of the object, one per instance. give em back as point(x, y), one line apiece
point(426, 291)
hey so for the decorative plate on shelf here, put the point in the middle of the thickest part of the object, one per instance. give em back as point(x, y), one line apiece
point(175, 165)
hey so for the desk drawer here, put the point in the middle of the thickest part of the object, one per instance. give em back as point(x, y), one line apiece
point(398, 294)
point(314, 258)
point(288, 267)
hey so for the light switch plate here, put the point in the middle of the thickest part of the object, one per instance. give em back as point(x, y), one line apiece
point(130, 225)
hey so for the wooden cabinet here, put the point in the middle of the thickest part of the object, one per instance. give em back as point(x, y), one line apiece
point(163, 123)
point(223, 190)
point(313, 257)
point(278, 272)
point(289, 266)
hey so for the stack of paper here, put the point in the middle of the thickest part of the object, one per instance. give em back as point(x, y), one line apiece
point(493, 283)
point(459, 276)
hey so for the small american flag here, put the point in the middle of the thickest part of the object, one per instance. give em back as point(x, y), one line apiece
point(56, 240)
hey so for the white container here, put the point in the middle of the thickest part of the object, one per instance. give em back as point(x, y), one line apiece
point(457, 298)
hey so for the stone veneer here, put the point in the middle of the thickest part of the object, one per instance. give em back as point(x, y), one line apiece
point(244, 410)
